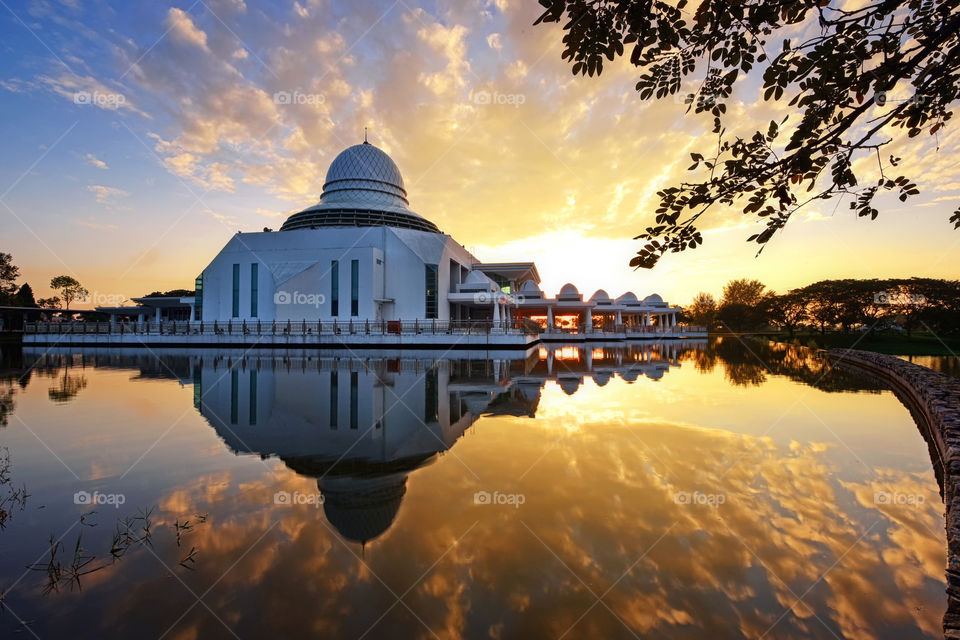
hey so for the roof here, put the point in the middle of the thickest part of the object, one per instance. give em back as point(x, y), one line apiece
point(516, 271)
point(363, 188)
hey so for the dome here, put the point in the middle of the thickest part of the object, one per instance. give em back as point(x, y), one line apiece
point(362, 171)
point(600, 297)
point(654, 300)
point(627, 298)
point(529, 291)
point(363, 188)
point(568, 292)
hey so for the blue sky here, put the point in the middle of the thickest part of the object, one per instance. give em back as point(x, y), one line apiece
point(178, 141)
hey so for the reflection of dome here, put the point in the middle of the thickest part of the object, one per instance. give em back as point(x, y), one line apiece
point(629, 375)
point(363, 188)
point(602, 377)
point(362, 509)
point(569, 385)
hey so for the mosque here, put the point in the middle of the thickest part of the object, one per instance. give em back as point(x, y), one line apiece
point(362, 258)
point(362, 253)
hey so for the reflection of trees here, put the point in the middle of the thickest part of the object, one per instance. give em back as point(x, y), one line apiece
point(68, 388)
point(6, 404)
point(747, 362)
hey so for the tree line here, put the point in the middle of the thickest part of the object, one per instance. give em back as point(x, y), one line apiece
point(14, 295)
point(905, 304)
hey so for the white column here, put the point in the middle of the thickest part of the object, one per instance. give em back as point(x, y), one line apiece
point(619, 317)
point(496, 311)
point(156, 317)
point(549, 318)
point(589, 327)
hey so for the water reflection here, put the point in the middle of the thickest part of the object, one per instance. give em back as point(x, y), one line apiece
point(600, 440)
point(361, 426)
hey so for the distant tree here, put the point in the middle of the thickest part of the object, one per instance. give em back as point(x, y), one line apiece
point(49, 303)
point(69, 287)
point(822, 305)
point(743, 291)
point(25, 296)
point(856, 78)
point(173, 293)
point(703, 310)
point(9, 273)
point(787, 310)
point(914, 302)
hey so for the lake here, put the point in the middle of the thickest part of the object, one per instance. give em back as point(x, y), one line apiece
point(677, 490)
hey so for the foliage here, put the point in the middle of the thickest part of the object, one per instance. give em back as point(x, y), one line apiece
point(49, 303)
point(70, 288)
point(24, 297)
point(898, 303)
point(9, 273)
point(173, 293)
point(703, 311)
point(889, 68)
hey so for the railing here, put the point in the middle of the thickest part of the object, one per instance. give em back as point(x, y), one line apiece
point(284, 328)
point(324, 328)
point(633, 330)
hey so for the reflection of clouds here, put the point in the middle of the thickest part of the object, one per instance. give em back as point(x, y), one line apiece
point(600, 472)
point(730, 570)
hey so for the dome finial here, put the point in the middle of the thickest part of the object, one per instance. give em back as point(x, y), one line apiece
point(365, 136)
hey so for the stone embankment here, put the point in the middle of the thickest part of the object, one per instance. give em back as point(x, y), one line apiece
point(934, 401)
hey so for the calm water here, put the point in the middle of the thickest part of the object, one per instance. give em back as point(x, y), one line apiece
point(949, 365)
point(681, 491)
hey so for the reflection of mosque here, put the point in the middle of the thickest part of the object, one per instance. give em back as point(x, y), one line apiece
point(360, 426)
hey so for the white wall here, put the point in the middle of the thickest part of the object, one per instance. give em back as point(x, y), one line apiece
point(297, 266)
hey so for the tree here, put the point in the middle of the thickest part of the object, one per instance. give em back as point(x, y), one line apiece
point(840, 82)
point(70, 288)
point(25, 297)
point(787, 310)
point(9, 273)
point(822, 306)
point(703, 310)
point(743, 291)
point(49, 303)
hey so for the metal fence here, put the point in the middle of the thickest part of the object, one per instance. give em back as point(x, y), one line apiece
point(285, 328)
point(305, 328)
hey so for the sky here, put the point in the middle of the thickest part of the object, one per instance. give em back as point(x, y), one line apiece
point(140, 136)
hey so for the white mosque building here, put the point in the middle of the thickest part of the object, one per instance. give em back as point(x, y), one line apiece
point(361, 260)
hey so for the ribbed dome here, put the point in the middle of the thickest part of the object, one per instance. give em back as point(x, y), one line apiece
point(364, 188)
point(364, 172)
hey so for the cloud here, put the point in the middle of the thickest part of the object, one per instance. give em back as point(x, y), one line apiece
point(85, 91)
point(182, 28)
point(92, 224)
point(106, 195)
point(95, 161)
